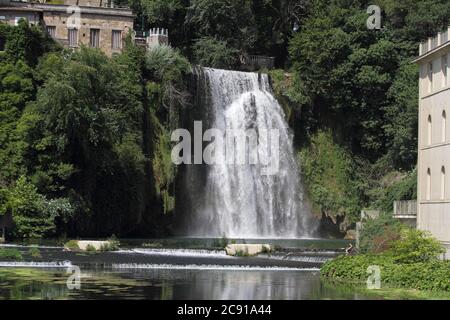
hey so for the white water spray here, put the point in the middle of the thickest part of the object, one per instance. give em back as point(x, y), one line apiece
point(239, 201)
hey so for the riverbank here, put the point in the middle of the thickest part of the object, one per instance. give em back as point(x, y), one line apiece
point(428, 276)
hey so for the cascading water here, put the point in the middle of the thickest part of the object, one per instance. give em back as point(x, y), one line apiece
point(236, 200)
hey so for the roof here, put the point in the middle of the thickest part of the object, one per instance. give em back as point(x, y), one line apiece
point(432, 52)
point(20, 9)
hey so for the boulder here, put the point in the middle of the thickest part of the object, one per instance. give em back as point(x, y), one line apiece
point(240, 249)
point(87, 245)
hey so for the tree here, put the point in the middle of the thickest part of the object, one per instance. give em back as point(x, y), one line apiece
point(226, 20)
point(28, 208)
point(210, 52)
point(84, 139)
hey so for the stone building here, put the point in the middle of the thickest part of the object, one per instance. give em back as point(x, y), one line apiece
point(93, 23)
point(433, 168)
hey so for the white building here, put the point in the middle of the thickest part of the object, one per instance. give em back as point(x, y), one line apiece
point(433, 168)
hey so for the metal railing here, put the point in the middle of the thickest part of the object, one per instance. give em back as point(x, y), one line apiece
point(260, 61)
point(405, 209)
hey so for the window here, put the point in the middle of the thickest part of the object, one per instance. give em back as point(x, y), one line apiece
point(442, 183)
point(429, 131)
point(73, 37)
point(51, 30)
point(444, 126)
point(430, 77)
point(428, 184)
point(116, 40)
point(95, 38)
point(444, 65)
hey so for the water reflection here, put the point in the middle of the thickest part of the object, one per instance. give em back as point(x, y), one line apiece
point(20, 283)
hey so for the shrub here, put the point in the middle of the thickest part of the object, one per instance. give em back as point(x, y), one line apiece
point(112, 245)
point(34, 252)
point(72, 245)
point(379, 234)
point(432, 275)
point(220, 242)
point(90, 248)
point(411, 262)
point(415, 246)
point(10, 254)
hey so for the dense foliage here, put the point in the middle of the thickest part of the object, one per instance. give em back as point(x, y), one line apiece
point(379, 234)
point(410, 261)
point(431, 275)
point(88, 135)
point(81, 136)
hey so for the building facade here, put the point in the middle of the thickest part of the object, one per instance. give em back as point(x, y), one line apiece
point(433, 168)
point(93, 23)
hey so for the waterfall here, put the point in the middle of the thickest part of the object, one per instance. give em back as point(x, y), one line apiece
point(236, 200)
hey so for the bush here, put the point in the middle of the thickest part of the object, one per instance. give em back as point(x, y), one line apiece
point(416, 246)
point(432, 275)
point(33, 215)
point(34, 252)
point(90, 248)
point(379, 234)
point(411, 262)
point(112, 245)
point(10, 254)
point(72, 245)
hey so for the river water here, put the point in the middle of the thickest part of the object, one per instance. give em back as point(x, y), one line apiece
point(170, 283)
point(178, 269)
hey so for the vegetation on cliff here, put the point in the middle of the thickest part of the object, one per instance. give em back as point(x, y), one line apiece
point(84, 138)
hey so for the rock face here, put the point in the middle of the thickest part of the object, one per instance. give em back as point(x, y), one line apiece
point(246, 249)
point(351, 235)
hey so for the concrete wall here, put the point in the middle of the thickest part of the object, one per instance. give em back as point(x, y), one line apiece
point(433, 190)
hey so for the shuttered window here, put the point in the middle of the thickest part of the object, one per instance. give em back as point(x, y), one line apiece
point(73, 37)
point(95, 38)
point(116, 41)
point(51, 30)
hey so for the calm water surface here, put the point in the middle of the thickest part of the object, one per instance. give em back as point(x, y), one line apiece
point(39, 283)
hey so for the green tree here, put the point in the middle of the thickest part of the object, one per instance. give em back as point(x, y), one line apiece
point(226, 20)
point(28, 208)
point(210, 52)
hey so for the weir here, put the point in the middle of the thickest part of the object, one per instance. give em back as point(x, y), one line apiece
point(242, 200)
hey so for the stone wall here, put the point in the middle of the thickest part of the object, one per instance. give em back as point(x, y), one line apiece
point(106, 24)
point(9, 15)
